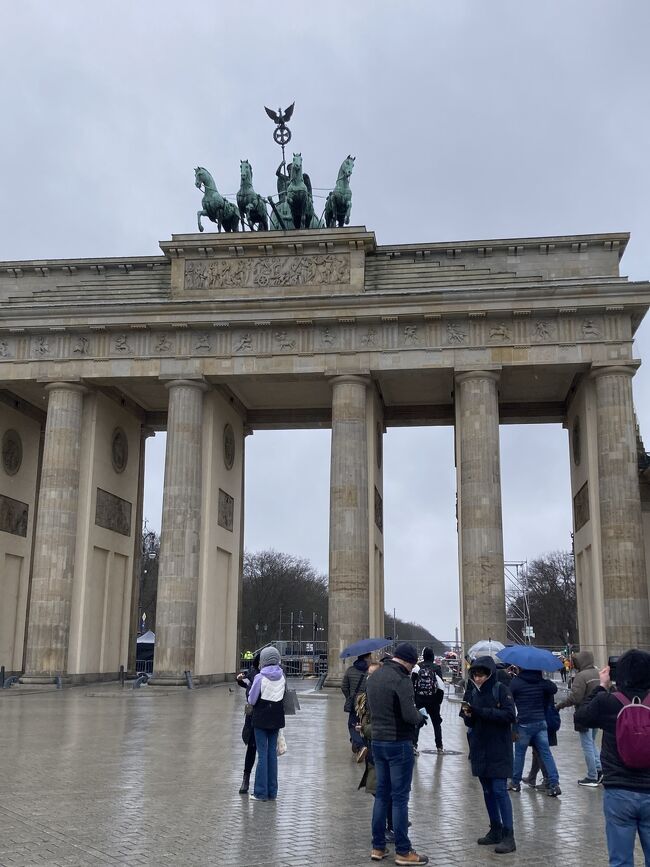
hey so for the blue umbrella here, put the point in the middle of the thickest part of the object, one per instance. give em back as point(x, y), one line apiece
point(531, 657)
point(366, 645)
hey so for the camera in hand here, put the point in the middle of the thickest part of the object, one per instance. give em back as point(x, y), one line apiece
point(612, 662)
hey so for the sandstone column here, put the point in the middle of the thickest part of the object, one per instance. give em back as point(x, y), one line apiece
point(349, 605)
point(625, 589)
point(56, 532)
point(480, 532)
point(180, 534)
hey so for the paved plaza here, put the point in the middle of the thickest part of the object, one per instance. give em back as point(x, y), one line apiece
point(97, 775)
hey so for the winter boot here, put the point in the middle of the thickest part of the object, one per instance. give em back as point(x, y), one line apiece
point(494, 835)
point(507, 843)
point(243, 789)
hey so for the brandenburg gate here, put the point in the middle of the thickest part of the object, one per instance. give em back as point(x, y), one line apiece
point(224, 334)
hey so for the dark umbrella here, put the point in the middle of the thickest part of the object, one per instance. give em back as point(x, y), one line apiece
point(530, 657)
point(366, 645)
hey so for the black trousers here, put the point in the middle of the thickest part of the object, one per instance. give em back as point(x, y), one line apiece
point(251, 752)
point(431, 703)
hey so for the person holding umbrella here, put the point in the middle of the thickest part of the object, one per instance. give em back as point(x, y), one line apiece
point(354, 684)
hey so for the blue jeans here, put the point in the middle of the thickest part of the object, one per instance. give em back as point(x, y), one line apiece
point(626, 813)
point(355, 738)
point(591, 753)
point(535, 734)
point(394, 768)
point(497, 801)
point(266, 773)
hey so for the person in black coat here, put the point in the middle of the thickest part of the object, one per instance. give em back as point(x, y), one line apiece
point(488, 710)
point(245, 680)
point(626, 802)
point(532, 694)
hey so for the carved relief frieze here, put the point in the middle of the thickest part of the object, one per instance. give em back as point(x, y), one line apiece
point(81, 345)
point(202, 343)
point(162, 344)
point(113, 513)
point(121, 344)
point(12, 452)
point(284, 341)
point(591, 329)
point(411, 336)
point(41, 346)
point(268, 271)
point(581, 507)
point(225, 510)
point(243, 342)
point(13, 516)
point(379, 511)
point(456, 333)
point(542, 330)
point(499, 332)
point(6, 350)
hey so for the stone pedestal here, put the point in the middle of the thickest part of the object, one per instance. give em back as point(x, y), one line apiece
point(625, 592)
point(348, 610)
point(56, 528)
point(480, 528)
point(180, 535)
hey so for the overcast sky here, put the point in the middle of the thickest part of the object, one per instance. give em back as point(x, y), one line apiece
point(469, 120)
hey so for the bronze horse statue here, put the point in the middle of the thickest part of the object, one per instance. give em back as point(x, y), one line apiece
point(299, 195)
point(251, 205)
point(339, 201)
point(215, 207)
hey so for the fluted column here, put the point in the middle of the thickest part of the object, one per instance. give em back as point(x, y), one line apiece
point(480, 527)
point(178, 574)
point(56, 531)
point(349, 604)
point(625, 589)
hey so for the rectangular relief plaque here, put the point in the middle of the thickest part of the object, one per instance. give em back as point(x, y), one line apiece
point(113, 513)
point(226, 510)
point(13, 516)
point(328, 269)
point(379, 511)
point(581, 507)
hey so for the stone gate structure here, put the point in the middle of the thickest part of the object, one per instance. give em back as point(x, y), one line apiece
point(224, 334)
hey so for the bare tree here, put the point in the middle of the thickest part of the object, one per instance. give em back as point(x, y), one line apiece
point(551, 590)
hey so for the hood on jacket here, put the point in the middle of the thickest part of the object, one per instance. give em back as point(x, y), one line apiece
point(273, 672)
point(530, 675)
point(633, 670)
point(582, 659)
point(485, 662)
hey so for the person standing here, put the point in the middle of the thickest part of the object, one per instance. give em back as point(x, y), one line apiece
point(532, 692)
point(354, 683)
point(626, 802)
point(266, 695)
point(394, 716)
point(245, 680)
point(584, 683)
point(488, 711)
point(428, 694)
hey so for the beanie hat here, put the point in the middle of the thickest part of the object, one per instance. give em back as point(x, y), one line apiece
point(269, 656)
point(407, 652)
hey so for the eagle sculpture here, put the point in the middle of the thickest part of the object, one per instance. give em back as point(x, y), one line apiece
point(279, 117)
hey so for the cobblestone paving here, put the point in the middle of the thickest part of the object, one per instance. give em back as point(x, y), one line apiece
point(93, 776)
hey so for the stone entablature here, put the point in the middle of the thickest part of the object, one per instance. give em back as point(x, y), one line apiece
point(429, 331)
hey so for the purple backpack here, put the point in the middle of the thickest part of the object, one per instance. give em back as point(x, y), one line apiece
point(633, 731)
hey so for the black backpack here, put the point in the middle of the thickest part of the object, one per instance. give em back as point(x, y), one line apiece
point(426, 683)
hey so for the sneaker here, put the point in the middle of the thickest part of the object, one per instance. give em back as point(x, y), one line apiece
point(600, 776)
point(553, 791)
point(514, 787)
point(378, 854)
point(530, 781)
point(411, 857)
point(255, 797)
point(589, 782)
point(363, 752)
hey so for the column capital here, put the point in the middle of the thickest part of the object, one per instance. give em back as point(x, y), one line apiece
point(360, 379)
point(627, 368)
point(66, 386)
point(466, 375)
point(201, 384)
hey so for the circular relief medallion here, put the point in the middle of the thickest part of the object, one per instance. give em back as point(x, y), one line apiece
point(119, 450)
point(576, 440)
point(379, 445)
point(228, 446)
point(12, 452)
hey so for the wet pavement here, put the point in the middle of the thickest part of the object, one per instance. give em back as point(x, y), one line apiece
point(98, 775)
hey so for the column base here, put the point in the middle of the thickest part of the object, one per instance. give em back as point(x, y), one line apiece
point(335, 681)
point(36, 679)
